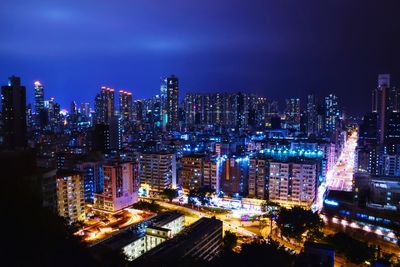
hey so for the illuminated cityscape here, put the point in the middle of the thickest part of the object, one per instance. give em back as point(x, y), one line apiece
point(254, 152)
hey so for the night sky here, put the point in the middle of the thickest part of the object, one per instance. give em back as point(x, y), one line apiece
point(276, 49)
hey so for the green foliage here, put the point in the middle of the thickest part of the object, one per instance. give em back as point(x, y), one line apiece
point(169, 194)
point(353, 249)
point(147, 206)
point(259, 253)
point(295, 222)
point(230, 240)
point(204, 194)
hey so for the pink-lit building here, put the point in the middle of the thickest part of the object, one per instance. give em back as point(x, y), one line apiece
point(121, 184)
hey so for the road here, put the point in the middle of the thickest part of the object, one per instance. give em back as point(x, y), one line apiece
point(228, 225)
point(341, 176)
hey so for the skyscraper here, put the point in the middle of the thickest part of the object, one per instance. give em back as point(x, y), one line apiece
point(332, 114)
point(104, 105)
point(385, 100)
point(293, 112)
point(40, 109)
point(311, 112)
point(39, 97)
point(125, 105)
point(170, 101)
point(14, 113)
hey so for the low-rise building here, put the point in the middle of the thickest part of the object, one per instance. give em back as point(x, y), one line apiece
point(202, 240)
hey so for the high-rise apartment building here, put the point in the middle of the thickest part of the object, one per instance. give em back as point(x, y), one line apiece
point(125, 105)
point(92, 171)
point(14, 113)
point(234, 176)
point(332, 113)
point(70, 195)
point(120, 186)
point(104, 106)
point(293, 183)
point(311, 115)
point(192, 171)
point(292, 112)
point(40, 110)
point(39, 97)
point(170, 102)
point(385, 101)
point(157, 171)
point(258, 177)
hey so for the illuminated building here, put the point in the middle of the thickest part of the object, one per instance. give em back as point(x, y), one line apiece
point(202, 241)
point(85, 110)
point(234, 176)
point(120, 186)
point(332, 114)
point(193, 106)
point(385, 100)
point(139, 112)
point(70, 195)
point(134, 243)
point(292, 112)
point(39, 97)
point(14, 113)
point(366, 209)
point(93, 178)
point(293, 183)
point(258, 177)
point(212, 173)
point(104, 105)
point(311, 112)
point(125, 105)
point(169, 102)
point(192, 171)
point(200, 171)
point(41, 116)
point(157, 171)
point(163, 227)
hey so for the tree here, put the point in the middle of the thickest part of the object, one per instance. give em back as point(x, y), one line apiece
point(259, 253)
point(203, 194)
point(354, 250)
point(296, 222)
point(230, 240)
point(169, 193)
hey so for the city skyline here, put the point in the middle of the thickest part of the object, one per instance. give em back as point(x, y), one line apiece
point(213, 133)
point(266, 48)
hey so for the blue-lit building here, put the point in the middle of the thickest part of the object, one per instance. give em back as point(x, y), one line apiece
point(351, 210)
point(93, 178)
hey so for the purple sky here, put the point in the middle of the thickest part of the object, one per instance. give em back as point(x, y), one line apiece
point(275, 48)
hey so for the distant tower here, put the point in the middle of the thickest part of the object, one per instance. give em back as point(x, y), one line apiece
point(311, 113)
point(14, 113)
point(39, 97)
point(125, 105)
point(104, 105)
point(170, 100)
point(332, 113)
point(40, 109)
point(385, 100)
point(293, 111)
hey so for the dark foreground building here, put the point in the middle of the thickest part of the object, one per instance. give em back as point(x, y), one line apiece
point(201, 241)
point(14, 116)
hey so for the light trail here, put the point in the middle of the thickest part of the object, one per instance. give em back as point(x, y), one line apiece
point(340, 177)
